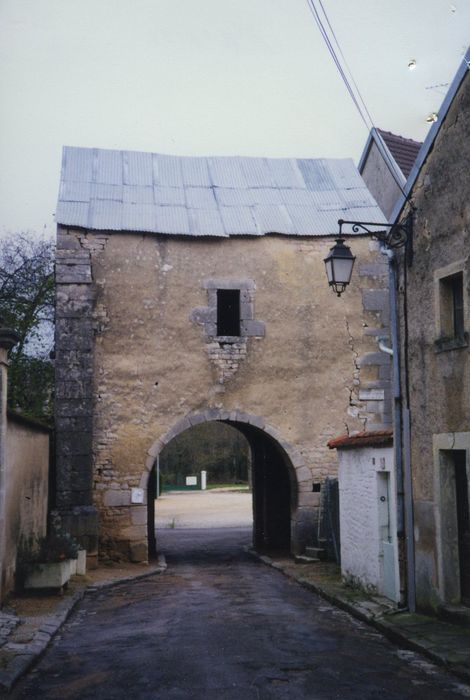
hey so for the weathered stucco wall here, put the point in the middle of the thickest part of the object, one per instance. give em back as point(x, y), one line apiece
point(368, 519)
point(26, 489)
point(439, 371)
point(306, 366)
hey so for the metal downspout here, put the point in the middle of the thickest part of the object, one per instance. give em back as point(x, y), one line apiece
point(401, 442)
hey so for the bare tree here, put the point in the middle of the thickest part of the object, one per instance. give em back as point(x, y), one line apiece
point(27, 306)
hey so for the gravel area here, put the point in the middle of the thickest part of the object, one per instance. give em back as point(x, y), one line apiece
point(204, 509)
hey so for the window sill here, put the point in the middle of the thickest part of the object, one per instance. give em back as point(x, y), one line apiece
point(445, 344)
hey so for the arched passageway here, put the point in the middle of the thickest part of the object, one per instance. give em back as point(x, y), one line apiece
point(274, 488)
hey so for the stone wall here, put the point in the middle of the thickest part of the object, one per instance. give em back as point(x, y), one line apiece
point(439, 371)
point(137, 359)
point(26, 487)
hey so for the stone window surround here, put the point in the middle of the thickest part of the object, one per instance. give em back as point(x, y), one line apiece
point(445, 513)
point(249, 327)
point(442, 342)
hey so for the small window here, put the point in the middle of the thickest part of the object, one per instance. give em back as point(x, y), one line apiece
point(451, 303)
point(228, 312)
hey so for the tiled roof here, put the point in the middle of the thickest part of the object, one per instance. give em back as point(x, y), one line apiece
point(364, 439)
point(209, 196)
point(403, 150)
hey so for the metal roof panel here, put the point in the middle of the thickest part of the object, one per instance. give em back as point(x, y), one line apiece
point(200, 198)
point(273, 219)
point(72, 214)
point(165, 196)
point(75, 191)
point(139, 217)
point(206, 222)
point(106, 216)
point(167, 171)
point(106, 192)
point(226, 172)
point(286, 173)
point(257, 172)
point(133, 194)
point(77, 164)
point(173, 220)
point(109, 168)
point(239, 221)
point(195, 172)
point(138, 168)
point(229, 196)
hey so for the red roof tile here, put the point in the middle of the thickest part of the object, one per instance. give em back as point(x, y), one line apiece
point(403, 150)
point(367, 438)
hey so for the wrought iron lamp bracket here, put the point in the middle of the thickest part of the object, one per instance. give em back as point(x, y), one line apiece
point(395, 235)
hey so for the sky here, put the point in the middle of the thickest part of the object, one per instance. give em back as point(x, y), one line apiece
point(208, 77)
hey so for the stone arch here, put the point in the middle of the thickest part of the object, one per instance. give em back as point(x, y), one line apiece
point(256, 430)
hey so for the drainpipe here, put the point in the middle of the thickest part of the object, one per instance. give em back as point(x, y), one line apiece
point(401, 442)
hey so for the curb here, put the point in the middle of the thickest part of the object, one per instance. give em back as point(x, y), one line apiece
point(386, 627)
point(28, 654)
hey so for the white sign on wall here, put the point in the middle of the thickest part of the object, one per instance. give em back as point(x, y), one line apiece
point(191, 481)
point(137, 495)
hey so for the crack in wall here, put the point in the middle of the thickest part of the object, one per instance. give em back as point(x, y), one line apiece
point(354, 403)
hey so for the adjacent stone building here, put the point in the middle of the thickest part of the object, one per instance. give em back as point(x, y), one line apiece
point(435, 322)
point(191, 290)
point(385, 165)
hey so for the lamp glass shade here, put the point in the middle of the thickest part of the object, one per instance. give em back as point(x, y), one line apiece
point(339, 265)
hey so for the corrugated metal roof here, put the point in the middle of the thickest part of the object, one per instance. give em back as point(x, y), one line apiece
point(216, 196)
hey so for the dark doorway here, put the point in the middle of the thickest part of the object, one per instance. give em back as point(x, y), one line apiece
point(463, 521)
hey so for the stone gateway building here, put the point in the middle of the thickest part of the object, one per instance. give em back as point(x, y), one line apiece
point(192, 290)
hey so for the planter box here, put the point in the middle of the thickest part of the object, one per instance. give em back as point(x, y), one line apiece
point(49, 575)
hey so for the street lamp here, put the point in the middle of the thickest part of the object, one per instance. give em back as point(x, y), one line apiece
point(339, 265)
point(340, 261)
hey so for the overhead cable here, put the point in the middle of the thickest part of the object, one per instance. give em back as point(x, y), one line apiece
point(334, 48)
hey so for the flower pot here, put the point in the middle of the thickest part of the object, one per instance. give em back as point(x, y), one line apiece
point(49, 575)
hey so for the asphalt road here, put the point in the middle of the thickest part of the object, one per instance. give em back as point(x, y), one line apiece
point(219, 625)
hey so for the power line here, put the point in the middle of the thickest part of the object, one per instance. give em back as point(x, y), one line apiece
point(331, 41)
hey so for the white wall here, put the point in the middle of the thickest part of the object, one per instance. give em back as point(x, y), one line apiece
point(365, 519)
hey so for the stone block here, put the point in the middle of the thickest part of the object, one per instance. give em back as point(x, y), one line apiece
point(253, 328)
point(373, 358)
point(303, 474)
point(308, 498)
point(156, 448)
point(134, 532)
point(73, 274)
point(138, 551)
point(196, 418)
point(67, 242)
point(116, 498)
point(371, 394)
point(256, 421)
point(373, 270)
point(139, 515)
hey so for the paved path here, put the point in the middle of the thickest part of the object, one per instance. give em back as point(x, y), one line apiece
point(221, 626)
